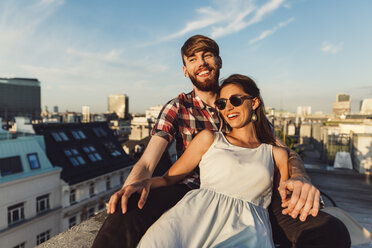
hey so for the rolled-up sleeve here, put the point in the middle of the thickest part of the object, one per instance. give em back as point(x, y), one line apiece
point(166, 124)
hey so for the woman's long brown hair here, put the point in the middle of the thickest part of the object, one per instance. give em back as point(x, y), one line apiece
point(262, 126)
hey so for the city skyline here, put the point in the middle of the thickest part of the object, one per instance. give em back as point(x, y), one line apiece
point(300, 53)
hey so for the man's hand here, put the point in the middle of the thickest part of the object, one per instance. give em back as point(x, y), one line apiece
point(304, 199)
point(126, 192)
point(142, 170)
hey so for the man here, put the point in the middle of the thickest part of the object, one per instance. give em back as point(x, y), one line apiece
point(181, 119)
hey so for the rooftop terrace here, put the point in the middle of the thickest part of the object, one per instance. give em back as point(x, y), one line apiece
point(351, 191)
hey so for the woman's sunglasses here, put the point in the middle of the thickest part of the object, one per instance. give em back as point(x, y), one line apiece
point(234, 100)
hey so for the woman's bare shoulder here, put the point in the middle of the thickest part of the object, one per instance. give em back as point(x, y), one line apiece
point(205, 136)
point(280, 153)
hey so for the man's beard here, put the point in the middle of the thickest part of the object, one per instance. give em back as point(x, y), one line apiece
point(207, 85)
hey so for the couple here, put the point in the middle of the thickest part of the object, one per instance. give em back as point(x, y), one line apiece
point(181, 119)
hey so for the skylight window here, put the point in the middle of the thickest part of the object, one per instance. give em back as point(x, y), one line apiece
point(82, 135)
point(56, 136)
point(112, 149)
point(78, 134)
point(99, 132)
point(92, 153)
point(74, 157)
point(59, 136)
point(63, 135)
point(33, 160)
point(75, 135)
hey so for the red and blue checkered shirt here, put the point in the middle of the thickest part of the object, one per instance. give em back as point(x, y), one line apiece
point(181, 119)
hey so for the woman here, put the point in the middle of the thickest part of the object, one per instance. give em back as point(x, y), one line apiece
point(236, 173)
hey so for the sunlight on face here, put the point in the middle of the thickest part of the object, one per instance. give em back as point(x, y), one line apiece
point(236, 116)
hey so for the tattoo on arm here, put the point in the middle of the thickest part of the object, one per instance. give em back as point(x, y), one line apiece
point(296, 166)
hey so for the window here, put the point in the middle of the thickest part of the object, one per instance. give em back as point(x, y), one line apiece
point(74, 157)
point(42, 203)
point(108, 183)
point(99, 132)
point(83, 216)
point(59, 136)
point(42, 237)
point(16, 213)
point(63, 135)
point(21, 245)
point(33, 160)
point(112, 149)
point(72, 197)
point(10, 165)
point(56, 136)
point(91, 190)
point(90, 212)
point(71, 221)
point(77, 134)
point(82, 135)
point(92, 153)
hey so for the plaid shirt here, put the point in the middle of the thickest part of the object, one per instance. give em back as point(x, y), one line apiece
point(181, 119)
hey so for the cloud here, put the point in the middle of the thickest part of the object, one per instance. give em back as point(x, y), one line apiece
point(234, 25)
point(19, 21)
point(210, 17)
point(74, 64)
point(114, 58)
point(224, 19)
point(328, 47)
point(264, 10)
point(269, 32)
point(111, 56)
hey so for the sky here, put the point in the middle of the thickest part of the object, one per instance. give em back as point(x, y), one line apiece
point(300, 53)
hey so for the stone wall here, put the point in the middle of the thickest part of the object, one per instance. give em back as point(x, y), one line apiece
point(80, 236)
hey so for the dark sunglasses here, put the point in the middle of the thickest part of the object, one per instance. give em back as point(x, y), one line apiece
point(234, 100)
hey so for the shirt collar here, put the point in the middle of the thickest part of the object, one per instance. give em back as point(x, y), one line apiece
point(197, 102)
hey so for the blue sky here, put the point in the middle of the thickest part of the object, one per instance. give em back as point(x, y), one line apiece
point(301, 53)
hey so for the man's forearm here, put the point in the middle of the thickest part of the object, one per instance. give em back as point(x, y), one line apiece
point(296, 167)
point(139, 172)
point(145, 166)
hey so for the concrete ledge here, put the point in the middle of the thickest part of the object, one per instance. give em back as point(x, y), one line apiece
point(79, 236)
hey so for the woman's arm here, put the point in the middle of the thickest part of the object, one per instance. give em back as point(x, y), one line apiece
point(187, 162)
point(179, 170)
point(281, 161)
point(296, 168)
point(304, 196)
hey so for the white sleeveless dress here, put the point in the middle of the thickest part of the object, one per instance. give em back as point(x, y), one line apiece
point(229, 209)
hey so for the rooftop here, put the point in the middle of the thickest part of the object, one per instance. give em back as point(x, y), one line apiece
point(23, 157)
point(83, 150)
point(21, 81)
point(355, 198)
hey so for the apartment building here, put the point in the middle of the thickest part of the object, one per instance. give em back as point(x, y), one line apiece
point(30, 193)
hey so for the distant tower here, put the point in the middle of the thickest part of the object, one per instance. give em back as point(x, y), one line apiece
point(118, 103)
point(85, 110)
point(342, 106)
point(55, 109)
point(366, 106)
